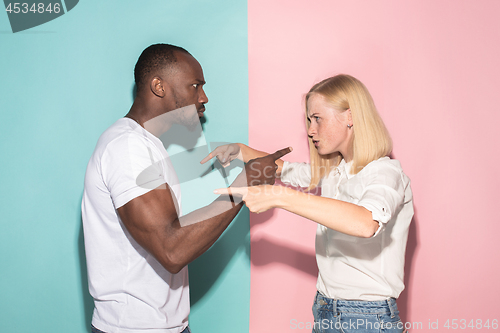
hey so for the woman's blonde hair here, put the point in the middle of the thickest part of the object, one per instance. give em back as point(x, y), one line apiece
point(371, 140)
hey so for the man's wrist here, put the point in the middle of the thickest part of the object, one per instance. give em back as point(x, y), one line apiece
point(242, 153)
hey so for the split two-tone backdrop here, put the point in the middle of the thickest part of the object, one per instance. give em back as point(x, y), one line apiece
point(431, 66)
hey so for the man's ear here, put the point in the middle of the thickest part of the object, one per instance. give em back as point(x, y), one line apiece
point(157, 87)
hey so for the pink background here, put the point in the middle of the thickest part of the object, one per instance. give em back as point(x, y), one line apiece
point(432, 68)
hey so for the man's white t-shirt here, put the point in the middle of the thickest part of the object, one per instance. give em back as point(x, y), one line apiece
point(132, 291)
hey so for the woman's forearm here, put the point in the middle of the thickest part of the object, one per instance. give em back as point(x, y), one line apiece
point(338, 215)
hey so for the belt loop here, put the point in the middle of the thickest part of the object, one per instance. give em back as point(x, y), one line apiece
point(391, 303)
point(334, 307)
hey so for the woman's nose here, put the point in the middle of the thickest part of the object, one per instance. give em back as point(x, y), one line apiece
point(311, 130)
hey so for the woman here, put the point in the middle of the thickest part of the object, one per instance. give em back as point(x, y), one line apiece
point(363, 213)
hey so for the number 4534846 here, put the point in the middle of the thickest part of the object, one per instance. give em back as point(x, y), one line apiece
point(472, 324)
point(36, 8)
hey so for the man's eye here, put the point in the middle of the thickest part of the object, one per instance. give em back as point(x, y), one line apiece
point(195, 85)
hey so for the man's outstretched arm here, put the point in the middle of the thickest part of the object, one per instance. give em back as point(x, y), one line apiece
point(153, 222)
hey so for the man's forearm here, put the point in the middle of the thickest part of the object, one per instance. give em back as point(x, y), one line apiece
point(153, 221)
point(249, 153)
point(197, 231)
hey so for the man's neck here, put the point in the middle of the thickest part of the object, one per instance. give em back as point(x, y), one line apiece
point(149, 117)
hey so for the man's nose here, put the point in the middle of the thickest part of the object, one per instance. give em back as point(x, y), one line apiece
point(203, 99)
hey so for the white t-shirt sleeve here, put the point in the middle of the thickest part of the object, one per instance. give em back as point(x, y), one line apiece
point(383, 193)
point(131, 167)
point(296, 174)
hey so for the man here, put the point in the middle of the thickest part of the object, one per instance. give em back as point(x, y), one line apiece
point(136, 241)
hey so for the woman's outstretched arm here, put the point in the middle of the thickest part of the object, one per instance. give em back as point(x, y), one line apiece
point(338, 215)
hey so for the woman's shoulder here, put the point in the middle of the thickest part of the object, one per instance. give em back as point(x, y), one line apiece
point(384, 166)
point(384, 162)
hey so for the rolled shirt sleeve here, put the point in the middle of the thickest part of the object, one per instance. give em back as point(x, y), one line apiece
point(383, 193)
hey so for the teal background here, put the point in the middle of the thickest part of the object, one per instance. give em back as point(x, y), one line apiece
point(61, 85)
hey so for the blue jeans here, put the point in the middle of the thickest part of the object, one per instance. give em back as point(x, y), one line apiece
point(95, 330)
point(342, 316)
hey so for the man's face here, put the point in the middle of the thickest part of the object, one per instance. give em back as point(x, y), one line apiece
point(186, 83)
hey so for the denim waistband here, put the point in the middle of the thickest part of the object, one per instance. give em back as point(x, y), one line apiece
point(387, 306)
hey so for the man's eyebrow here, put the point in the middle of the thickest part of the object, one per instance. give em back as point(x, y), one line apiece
point(200, 81)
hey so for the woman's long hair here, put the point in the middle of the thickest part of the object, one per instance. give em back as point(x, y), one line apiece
point(371, 140)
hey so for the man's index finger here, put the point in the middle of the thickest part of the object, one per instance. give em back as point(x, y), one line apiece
point(280, 153)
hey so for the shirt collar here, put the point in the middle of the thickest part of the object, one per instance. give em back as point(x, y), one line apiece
point(345, 169)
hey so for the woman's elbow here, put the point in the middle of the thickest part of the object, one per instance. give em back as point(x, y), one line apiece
point(369, 229)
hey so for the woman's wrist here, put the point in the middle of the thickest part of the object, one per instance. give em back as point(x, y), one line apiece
point(284, 198)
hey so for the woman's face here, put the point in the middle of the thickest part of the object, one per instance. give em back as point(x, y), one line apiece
point(328, 127)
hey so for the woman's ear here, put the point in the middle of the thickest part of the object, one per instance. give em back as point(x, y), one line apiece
point(349, 118)
point(157, 87)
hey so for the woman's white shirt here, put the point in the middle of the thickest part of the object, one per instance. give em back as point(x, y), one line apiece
point(357, 268)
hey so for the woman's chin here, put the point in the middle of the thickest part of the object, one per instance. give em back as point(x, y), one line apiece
point(322, 152)
point(327, 153)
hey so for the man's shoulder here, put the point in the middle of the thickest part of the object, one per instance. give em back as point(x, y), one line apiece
point(119, 130)
point(123, 135)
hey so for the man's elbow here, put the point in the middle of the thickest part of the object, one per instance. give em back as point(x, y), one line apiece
point(172, 264)
point(174, 269)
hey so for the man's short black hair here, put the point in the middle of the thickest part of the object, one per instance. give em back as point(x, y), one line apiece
point(155, 58)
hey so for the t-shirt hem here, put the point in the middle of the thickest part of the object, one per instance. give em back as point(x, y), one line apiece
point(125, 197)
point(111, 329)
